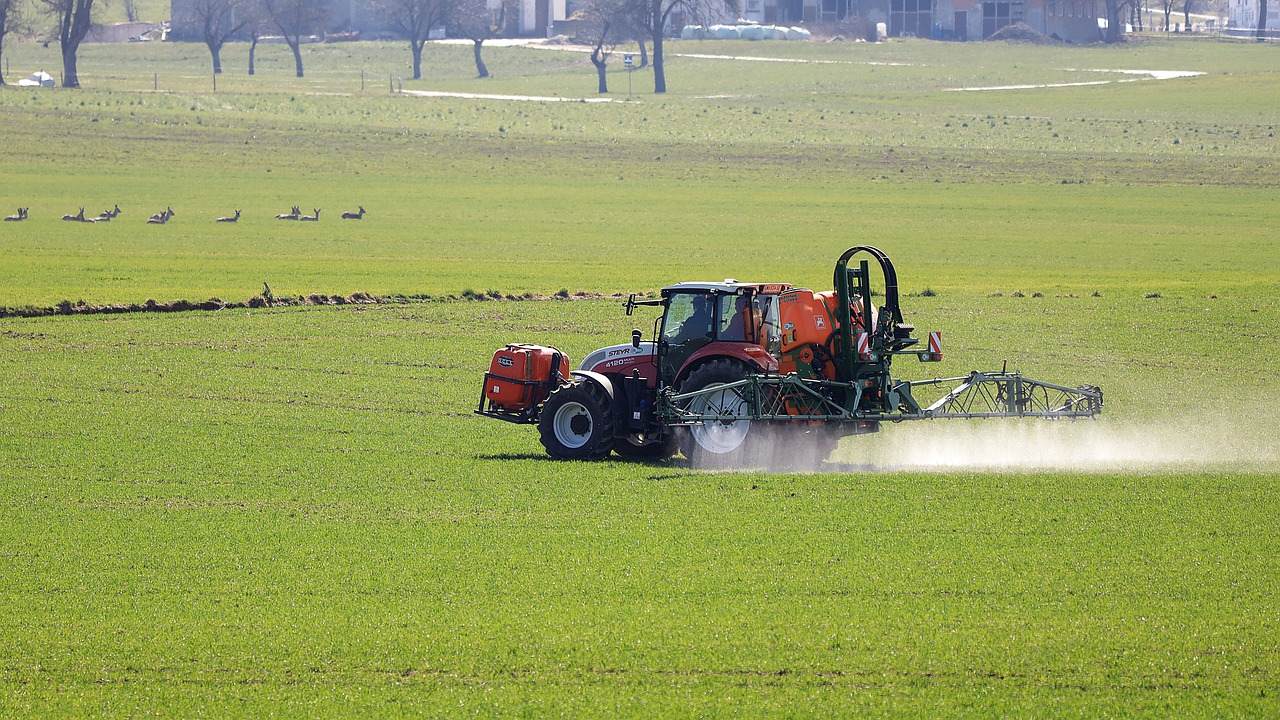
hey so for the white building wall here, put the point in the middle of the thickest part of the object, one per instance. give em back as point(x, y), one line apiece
point(1243, 14)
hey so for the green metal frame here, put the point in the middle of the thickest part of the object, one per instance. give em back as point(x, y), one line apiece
point(976, 395)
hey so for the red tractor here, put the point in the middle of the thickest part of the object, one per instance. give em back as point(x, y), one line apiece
point(741, 365)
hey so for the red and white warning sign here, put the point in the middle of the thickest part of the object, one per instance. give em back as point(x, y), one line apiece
point(864, 346)
point(935, 343)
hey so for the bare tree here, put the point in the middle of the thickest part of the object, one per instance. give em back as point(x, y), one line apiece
point(1186, 15)
point(1262, 20)
point(472, 19)
point(295, 18)
point(74, 18)
point(659, 14)
point(219, 20)
point(415, 19)
point(255, 23)
point(606, 23)
point(11, 20)
point(1167, 7)
point(596, 21)
point(1115, 21)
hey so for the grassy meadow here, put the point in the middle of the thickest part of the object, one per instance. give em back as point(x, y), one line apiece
point(293, 512)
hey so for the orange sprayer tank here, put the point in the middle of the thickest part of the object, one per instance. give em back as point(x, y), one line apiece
point(808, 321)
point(521, 376)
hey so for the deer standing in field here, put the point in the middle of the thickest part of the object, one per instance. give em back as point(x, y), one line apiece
point(78, 217)
point(311, 218)
point(109, 215)
point(293, 214)
point(233, 218)
point(354, 215)
point(160, 218)
point(22, 215)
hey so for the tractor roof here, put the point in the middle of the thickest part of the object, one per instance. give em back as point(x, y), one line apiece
point(727, 286)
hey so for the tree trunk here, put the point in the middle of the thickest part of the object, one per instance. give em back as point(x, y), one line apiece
point(644, 55)
point(416, 47)
point(481, 70)
point(215, 50)
point(1262, 20)
point(1186, 16)
point(70, 78)
point(253, 49)
point(1115, 27)
point(602, 81)
point(659, 73)
point(296, 47)
point(2, 58)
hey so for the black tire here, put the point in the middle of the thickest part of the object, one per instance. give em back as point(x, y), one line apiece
point(700, 453)
point(661, 450)
point(575, 422)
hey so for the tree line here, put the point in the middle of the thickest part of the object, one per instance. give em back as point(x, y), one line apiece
point(604, 23)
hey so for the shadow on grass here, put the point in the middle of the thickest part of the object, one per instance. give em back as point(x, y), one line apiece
point(672, 464)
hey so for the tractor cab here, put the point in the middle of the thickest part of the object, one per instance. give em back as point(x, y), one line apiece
point(716, 319)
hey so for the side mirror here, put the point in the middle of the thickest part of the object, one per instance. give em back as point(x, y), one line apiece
point(635, 339)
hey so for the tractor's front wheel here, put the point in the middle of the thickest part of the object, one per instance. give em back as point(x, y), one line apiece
point(576, 423)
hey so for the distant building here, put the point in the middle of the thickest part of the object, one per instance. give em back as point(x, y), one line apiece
point(1073, 20)
point(1242, 17)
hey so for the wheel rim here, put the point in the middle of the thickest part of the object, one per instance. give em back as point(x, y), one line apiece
point(724, 436)
point(573, 425)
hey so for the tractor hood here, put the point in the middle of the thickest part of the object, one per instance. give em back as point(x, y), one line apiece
point(610, 359)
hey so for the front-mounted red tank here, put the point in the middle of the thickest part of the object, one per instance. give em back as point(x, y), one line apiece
point(521, 376)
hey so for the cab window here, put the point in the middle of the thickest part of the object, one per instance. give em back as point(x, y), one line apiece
point(688, 317)
point(740, 317)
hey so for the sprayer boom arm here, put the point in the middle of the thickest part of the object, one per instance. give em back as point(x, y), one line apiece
point(793, 398)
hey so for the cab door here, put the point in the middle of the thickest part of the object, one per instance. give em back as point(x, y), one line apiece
point(687, 326)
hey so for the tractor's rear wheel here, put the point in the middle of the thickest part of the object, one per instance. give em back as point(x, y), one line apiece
point(718, 443)
point(575, 422)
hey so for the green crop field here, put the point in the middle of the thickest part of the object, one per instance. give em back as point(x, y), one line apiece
point(293, 511)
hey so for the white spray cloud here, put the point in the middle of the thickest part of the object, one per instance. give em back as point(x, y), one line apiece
point(1085, 446)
